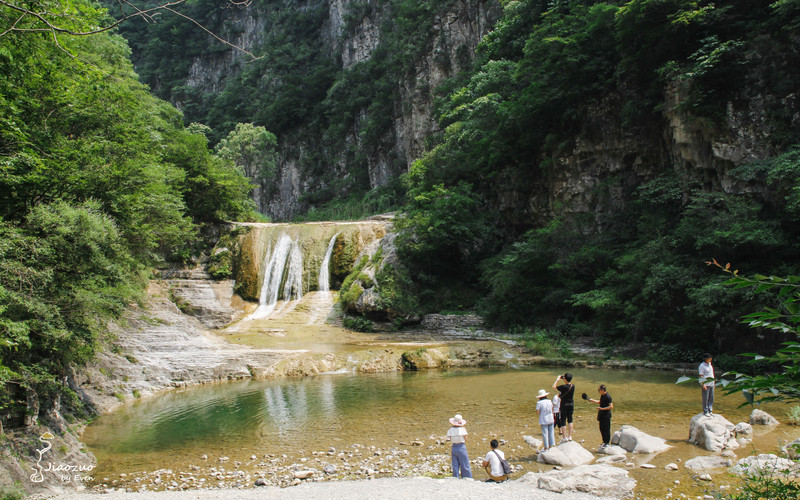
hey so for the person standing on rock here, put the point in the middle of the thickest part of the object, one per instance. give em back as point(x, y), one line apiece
point(707, 384)
point(567, 392)
point(604, 406)
point(544, 407)
point(457, 435)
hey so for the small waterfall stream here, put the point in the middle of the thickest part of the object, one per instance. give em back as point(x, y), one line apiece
point(324, 268)
point(284, 267)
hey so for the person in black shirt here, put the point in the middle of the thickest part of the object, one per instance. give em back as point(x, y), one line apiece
point(567, 393)
point(604, 406)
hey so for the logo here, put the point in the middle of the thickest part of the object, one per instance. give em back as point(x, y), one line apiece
point(38, 475)
point(63, 471)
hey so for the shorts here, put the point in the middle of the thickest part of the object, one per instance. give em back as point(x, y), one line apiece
point(565, 415)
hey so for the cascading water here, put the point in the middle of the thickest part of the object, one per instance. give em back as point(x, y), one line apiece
point(322, 301)
point(324, 271)
point(285, 266)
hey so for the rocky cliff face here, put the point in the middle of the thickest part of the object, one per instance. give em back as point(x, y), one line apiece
point(350, 34)
point(595, 177)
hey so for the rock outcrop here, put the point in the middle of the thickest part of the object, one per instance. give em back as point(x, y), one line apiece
point(601, 480)
point(714, 433)
point(708, 463)
point(760, 417)
point(636, 441)
point(159, 348)
point(768, 464)
point(566, 454)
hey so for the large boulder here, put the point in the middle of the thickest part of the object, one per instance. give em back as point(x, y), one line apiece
point(767, 464)
point(599, 480)
point(636, 441)
point(714, 433)
point(760, 417)
point(566, 454)
point(708, 463)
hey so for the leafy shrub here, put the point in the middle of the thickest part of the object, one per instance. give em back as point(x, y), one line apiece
point(358, 323)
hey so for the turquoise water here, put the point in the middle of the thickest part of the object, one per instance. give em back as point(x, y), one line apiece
point(300, 416)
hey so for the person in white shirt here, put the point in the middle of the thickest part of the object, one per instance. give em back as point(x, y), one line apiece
point(556, 411)
point(492, 463)
point(707, 384)
point(545, 410)
point(457, 435)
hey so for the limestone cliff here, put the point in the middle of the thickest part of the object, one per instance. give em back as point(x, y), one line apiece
point(346, 34)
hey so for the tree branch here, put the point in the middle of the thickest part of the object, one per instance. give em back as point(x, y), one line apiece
point(147, 14)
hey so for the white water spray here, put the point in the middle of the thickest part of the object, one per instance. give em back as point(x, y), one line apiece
point(324, 271)
point(284, 266)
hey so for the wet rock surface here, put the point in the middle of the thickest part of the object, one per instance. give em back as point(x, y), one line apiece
point(159, 348)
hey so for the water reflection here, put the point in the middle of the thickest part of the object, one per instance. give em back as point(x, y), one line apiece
point(297, 416)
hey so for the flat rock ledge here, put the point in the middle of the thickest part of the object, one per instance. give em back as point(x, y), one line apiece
point(599, 479)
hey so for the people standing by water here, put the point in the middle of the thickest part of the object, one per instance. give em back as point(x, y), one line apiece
point(604, 406)
point(556, 410)
point(544, 407)
point(567, 406)
point(493, 465)
point(457, 435)
point(706, 371)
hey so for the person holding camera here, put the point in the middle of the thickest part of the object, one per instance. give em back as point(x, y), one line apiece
point(567, 396)
point(604, 406)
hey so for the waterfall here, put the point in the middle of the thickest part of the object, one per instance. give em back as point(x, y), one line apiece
point(285, 266)
point(324, 271)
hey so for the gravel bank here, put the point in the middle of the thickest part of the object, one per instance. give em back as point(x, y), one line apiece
point(388, 488)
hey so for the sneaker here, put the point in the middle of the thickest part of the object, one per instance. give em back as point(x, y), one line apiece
point(706, 414)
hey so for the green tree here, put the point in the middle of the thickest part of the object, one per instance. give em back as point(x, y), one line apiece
point(253, 150)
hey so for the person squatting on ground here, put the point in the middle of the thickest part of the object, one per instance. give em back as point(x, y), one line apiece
point(492, 463)
point(604, 406)
point(567, 393)
point(544, 407)
point(707, 384)
point(457, 435)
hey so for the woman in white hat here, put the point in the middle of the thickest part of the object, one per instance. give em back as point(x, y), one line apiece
point(457, 435)
point(544, 407)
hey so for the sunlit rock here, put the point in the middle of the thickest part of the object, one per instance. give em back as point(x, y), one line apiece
point(636, 441)
point(792, 449)
point(760, 417)
point(713, 433)
point(601, 480)
point(767, 464)
point(708, 463)
point(566, 454)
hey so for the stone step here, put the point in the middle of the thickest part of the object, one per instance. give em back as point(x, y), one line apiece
point(185, 274)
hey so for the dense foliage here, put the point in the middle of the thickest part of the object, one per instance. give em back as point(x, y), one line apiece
point(99, 181)
point(296, 88)
point(638, 274)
